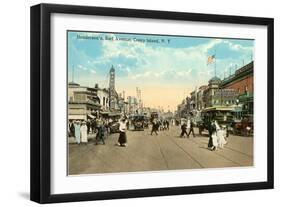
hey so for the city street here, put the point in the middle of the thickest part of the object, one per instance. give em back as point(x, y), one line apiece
point(167, 151)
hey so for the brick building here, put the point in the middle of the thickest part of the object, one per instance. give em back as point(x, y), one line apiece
point(243, 83)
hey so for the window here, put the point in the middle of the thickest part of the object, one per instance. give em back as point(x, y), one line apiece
point(79, 97)
point(245, 88)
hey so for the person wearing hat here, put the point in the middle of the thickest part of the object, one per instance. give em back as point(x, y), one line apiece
point(84, 134)
point(101, 132)
point(88, 124)
point(122, 137)
point(183, 129)
point(191, 126)
point(77, 132)
point(155, 127)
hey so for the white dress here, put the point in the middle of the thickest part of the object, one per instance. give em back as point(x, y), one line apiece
point(221, 134)
point(122, 126)
point(188, 125)
point(215, 139)
point(84, 136)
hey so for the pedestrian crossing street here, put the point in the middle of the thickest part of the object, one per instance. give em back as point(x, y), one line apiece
point(166, 151)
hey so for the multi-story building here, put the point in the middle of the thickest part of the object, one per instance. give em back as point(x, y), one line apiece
point(113, 95)
point(236, 90)
point(121, 104)
point(83, 102)
point(209, 92)
point(103, 97)
point(200, 104)
point(197, 101)
point(243, 83)
point(216, 95)
point(184, 108)
point(193, 100)
point(132, 104)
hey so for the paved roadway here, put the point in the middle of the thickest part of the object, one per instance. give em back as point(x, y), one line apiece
point(167, 151)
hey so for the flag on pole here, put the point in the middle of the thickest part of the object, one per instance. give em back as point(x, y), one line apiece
point(211, 59)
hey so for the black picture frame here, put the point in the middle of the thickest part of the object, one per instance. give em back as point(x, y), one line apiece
point(41, 102)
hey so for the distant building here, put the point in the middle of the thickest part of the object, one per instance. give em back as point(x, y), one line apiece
point(83, 102)
point(193, 100)
point(132, 104)
point(184, 108)
point(200, 103)
point(209, 92)
point(103, 97)
point(122, 104)
point(113, 95)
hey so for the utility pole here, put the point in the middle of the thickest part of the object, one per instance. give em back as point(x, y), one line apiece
point(72, 74)
point(215, 62)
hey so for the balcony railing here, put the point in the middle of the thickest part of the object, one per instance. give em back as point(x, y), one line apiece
point(90, 102)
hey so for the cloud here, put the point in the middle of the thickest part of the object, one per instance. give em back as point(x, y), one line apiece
point(93, 71)
point(142, 61)
point(82, 67)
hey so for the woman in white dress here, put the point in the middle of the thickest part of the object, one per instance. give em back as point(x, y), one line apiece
point(220, 135)
point(122, 137)
point(77, 131)
point(83, 129)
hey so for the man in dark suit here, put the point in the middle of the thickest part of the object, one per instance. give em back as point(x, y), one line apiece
point(155, 127)
point(88, 123)
point(211, 129)
point(183, 130)
point(191, 129)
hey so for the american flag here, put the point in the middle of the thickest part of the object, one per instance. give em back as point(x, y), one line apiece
point(211, 59)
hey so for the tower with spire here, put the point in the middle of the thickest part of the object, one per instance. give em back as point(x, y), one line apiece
point(112, 78)
point(112, 92)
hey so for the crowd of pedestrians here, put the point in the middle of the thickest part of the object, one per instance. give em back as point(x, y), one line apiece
point(81, 130)
point(99, 129)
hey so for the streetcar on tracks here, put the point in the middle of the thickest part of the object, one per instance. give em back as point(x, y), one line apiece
point(136, 122)
point(224, 115)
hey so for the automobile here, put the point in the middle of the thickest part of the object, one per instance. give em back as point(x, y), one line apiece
point(138, 121)
point(153, 115)
point(245, 127)
point(114, 127)
point(145, 124)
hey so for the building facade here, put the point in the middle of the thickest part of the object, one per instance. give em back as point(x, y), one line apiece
point(113, 95)
point(103, 97)
point(83, 102)
point(132, 104)
point(209, 92)
point(216, 95)
point(243, 83)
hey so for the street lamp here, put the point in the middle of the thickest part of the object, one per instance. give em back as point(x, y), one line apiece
point(237, 103)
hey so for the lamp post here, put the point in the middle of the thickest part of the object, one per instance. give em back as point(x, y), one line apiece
point(237, 103)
